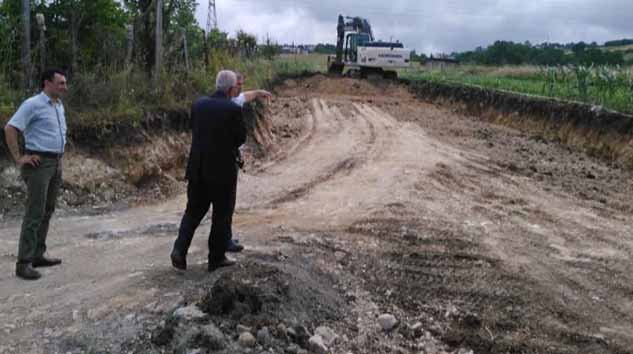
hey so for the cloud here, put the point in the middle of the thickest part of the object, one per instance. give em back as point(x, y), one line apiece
point(431, 26)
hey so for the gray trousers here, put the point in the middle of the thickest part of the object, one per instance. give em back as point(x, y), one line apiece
point(43, 183)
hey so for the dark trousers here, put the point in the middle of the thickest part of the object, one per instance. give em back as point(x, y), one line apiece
point(42, 186)
point(200, 195)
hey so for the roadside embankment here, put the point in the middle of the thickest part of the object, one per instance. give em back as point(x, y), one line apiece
point(593, 129)
point(120, 162)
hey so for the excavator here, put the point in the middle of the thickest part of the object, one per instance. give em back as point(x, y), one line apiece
point(357, 51)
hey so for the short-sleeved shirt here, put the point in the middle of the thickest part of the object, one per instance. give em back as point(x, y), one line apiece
point(43, 124)
point(239, 100)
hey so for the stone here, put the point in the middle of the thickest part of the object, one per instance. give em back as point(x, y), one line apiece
point(263, 336)
point(191, 312)
point(247, 340)
point(416, 328)
point(299, 334)
point(316, 345)
point(194, 351)
point(328, 335)
point(10, 179)
point(387, 322)
point(212, 337)
point(189, 336)
point(241, 329)
point(281, 330)
point(292, 349)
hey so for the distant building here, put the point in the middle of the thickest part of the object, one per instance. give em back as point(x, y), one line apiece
point(297, 49)
point(440, 63)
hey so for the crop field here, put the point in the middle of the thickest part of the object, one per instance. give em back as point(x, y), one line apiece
point(610, 87)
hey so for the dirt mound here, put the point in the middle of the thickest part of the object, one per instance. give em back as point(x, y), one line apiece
point(262, 295)
point(277, 307)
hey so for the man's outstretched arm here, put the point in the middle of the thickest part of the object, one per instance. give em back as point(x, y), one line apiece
point(255, 94)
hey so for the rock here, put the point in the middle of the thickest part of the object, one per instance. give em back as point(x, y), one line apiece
point(302, 351)
point(212, 337)
point(316, 345)
point(292, 349)
point(263, 336)
point(430, 348)
point(387, 322)
point(416, 329)
point(169, 304)
point(299, 335)
point(281, 329)
point(291, 332)
point(241, 329)
point(328, 335)
point(196, 336)
point(194, 351)
point(247, 340)
point(191, 312)
point(10, 179)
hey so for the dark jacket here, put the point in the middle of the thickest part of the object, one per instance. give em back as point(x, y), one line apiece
point(217, 131)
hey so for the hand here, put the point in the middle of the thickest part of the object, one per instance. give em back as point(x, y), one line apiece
point(32, 160)
point(265, 94)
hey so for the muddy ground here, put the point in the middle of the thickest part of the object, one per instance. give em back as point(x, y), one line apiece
point(358, 201)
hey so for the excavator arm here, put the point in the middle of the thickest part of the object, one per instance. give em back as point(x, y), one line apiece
point(347, 24)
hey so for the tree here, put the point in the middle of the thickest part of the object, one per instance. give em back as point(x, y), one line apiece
point(270, 49)
point(246, 43)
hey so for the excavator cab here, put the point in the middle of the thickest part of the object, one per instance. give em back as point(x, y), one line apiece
point(352, 41)
point(357, 50)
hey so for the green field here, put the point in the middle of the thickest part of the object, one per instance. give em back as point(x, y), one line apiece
point(611, 87)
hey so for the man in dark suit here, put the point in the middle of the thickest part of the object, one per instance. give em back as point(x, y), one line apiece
point(217, 132)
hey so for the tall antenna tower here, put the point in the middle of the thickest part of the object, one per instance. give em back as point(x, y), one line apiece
point(212, 18)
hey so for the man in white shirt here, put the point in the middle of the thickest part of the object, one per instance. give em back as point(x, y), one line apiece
point(241, 99)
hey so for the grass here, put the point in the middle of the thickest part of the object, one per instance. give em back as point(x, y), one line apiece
point(611, 87)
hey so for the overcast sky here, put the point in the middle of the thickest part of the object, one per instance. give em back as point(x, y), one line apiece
point(430, 26)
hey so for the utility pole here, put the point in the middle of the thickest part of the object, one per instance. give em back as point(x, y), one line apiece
point(26, 43)
point(212, 18)
point(159, 42)
point(130, 45)
point(212, 24)
point(185, 49)
point(41, 23)
point(206, 49)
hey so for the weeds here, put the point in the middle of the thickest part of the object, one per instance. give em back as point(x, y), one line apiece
point(102, 97)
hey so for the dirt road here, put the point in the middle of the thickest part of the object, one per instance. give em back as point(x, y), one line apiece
point(493, 240)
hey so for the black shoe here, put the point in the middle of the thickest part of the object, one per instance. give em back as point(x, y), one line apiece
point(178, 260)
point(26, 271)
point(225, 262)
point(234, 246)
point(46, 262)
